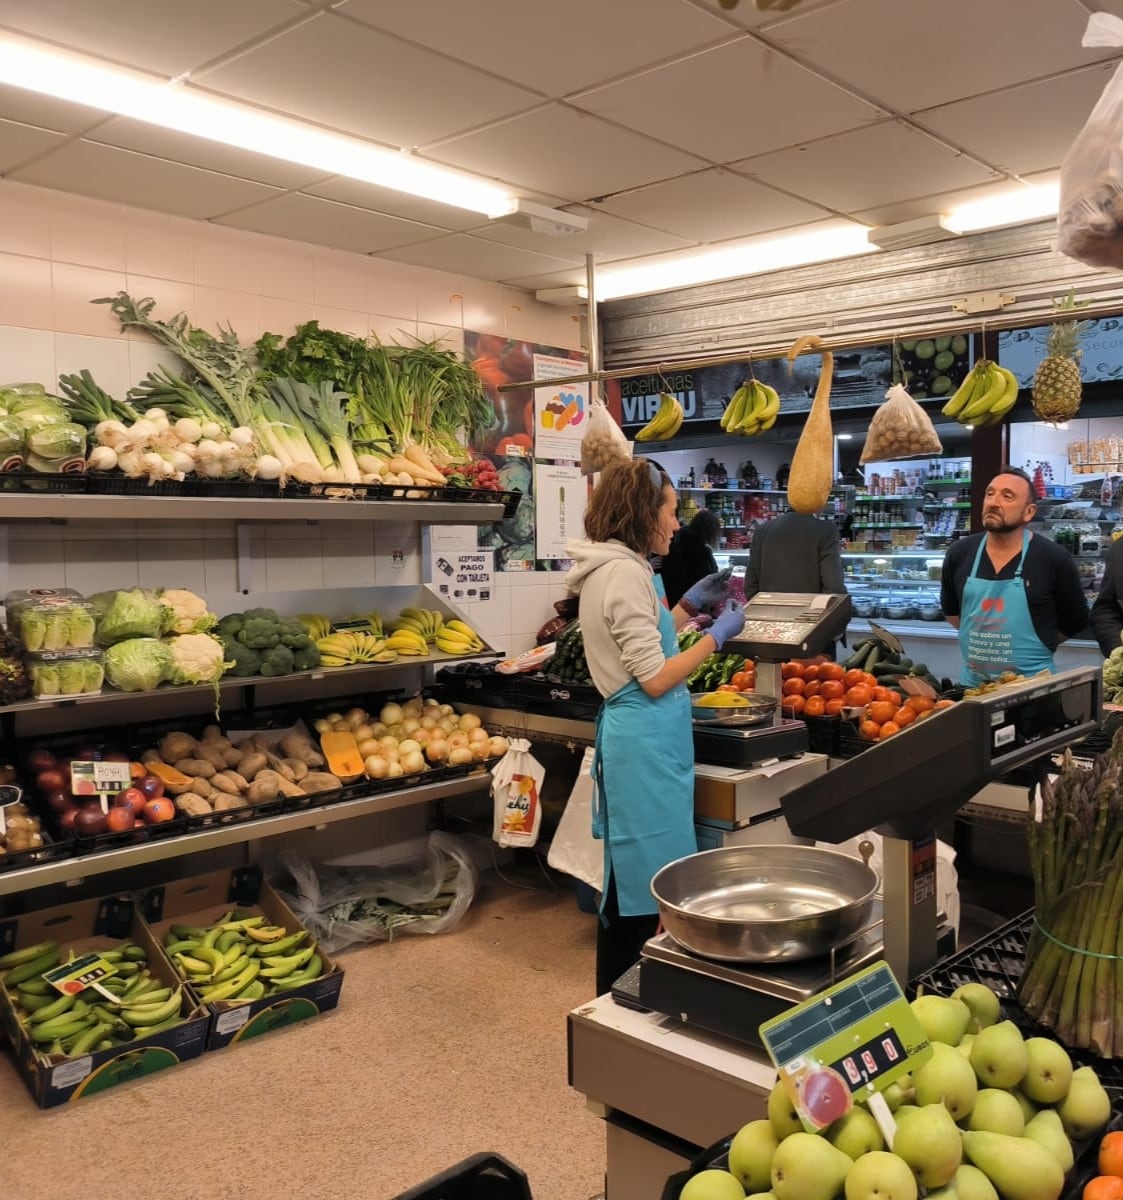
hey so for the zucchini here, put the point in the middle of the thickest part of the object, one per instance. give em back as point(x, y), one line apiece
point(860, 652)
point(871, 662)
point(920, 668)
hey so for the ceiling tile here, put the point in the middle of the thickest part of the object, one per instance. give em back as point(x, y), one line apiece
point(552, 279)
point(742, 99)
point(394, 204)
point(45, 112)
point(310, 219)
point(712, 206)
point(200, 152)
point(137, 179)
point(165, 36)
point(878, 165)
point(565, 153)
point(942, 202)
point(479, 259)
point(347, 76)
point(18, 143)
point(995, 126)
point(914, 56)
point(601, 41)
point(608, 237)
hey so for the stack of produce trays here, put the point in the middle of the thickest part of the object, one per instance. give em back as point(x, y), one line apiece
point(55, 629)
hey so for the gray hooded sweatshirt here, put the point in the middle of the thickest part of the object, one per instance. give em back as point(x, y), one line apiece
point(619, 613)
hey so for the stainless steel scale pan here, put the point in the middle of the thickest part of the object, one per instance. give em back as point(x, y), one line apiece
point(757, 710)
point(763, 903)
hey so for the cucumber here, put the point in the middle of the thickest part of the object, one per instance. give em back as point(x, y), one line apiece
point(889, 666)
point(871, 662)
point(859, 655)
point(920, 668)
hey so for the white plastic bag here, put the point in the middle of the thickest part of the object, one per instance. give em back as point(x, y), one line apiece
point(516, 788)
point(1090, 217)
point(574, 850)
point(604, 440)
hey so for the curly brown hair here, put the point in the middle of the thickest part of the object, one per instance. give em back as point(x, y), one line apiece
point(625, 504)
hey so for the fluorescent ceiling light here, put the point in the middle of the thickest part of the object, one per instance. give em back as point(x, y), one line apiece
point(751, 256)
point(1033, 203)
point(173, 104)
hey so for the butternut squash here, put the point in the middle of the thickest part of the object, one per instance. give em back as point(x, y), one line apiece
point(812, 470)
point(342, 752)
point(168, 775)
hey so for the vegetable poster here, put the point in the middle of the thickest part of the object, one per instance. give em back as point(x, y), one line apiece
point(559, 413)
point(560, 492)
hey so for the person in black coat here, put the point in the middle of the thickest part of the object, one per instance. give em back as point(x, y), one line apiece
point(1107, 615)
point(795, 552)
point(691, 556)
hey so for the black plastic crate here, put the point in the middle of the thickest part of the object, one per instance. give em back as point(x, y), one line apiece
point(35, 481)
point(850, 742)
point(194, 486)
point(479, 683)
point(52, 849)
point(481, 1177)
point(823, 734)
point(360, 493)
point(539, 693)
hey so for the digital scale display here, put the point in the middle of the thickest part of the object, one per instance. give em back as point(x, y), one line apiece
point(780, 625)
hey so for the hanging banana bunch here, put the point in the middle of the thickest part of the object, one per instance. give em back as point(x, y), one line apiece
point(985, 396)
point(666, 422)
point(752, 409)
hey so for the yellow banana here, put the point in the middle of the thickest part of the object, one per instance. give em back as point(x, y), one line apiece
point(772, 404)
point(996, 386)
point(266, 933)
point(666, 422)
point(732, 409)
point(1006, 401)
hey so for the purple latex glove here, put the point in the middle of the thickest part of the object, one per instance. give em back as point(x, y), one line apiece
point(727, 624)
point(708, 594)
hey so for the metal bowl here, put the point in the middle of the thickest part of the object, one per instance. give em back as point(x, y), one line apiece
point(756, 711)
point(764, 903)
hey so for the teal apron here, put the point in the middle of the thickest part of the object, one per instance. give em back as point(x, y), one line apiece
point(996, 630)
point(643, 775)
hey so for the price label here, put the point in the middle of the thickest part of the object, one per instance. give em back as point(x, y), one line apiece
point(847, 1043)
point(9, 794)
point(99, 778)
point(87, 970)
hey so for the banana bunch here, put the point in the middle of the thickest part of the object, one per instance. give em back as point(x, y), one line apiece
point(984, 397)
point(345, 649)
point(74, 1024)
point(752, 409)
point(666, 422)
point(317, 625)
point(408, 642)
point(423, 621)
point(239, 959)
point(455, 637)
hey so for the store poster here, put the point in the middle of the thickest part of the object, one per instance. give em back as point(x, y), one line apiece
point(511, 442)
point(1101, 343)
point(561, 492)
point(559, 413)
point(459, 569)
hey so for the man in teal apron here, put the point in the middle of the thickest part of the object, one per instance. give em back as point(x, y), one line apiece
point(1012, 595)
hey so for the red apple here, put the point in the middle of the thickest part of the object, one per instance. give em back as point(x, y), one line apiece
point(152, 786)
point(52, 780)
point(66, 819)
point(119, 819)
point(89, 821)
point(59, 801)
point(133, 798)
point(156, 812)
point(41, 760)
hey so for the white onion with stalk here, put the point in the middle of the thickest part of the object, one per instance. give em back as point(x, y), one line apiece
point(242, 436)
point(187, 429)
point(182, 462)
point(102, 458)
point(267, 467)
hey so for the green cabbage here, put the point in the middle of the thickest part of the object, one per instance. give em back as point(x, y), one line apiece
point(138, 664)
point(38, 413)
point(133, 614)
point(11, 437)
point(57, 443)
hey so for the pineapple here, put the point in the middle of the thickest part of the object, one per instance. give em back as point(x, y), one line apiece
point(1056, 382)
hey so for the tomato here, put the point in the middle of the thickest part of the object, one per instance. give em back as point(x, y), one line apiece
point(904, 716)
point(870, 730)
point(811, 671)
point(1111, 1154)
point(881, 693)
point(833, 708)
point(792, 687)
point(728, 687)
point(942, 704)
point(791, 670)
point(920, 703)
point(1103, 1187)
point(792, 705)
point(743, 681)
point(888, 729)
point(832, 689)
point(858, 696)
point(812, 688)
point(881, 711)
point(815, 707)
point(832, 670)
point(854, 676)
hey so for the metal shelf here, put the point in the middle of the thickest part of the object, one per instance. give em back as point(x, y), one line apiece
point(736, 491)
point(69, 870)
point(888, 554)
point(78, 507)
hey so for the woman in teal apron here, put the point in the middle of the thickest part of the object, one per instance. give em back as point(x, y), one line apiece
point(643, 770)
point(996, 630)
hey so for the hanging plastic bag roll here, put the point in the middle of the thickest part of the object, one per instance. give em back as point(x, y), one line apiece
point(900, 429)
point(1090, 217)
point(516, 789)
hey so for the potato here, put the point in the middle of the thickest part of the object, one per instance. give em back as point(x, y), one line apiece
point(299, 770)
point(261, 791)
point(174, 746)
point(194, 806)
point(286, 787)
point(201, 787)
point(238, 778)
point(225, 803)
point(251, 764)
point(299, 745)
point(195, 766)
point(233, 755)
point(320, 781)
point(212, 754)
point(280, 766)
point(224, 783)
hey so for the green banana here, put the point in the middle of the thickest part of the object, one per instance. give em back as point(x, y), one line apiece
point(31, 1003)
point(253, 991)
point(17, 958)
point(280, 967)
point(212, 957)
point(135, 953)
point(55, 1009)
point(30, 968)
point(232, 970)
point(226, 940)
point(143, 1031)
point(87, 1040)
point(231, 988)
point(313, 971)
point(176, 946)
point(192, 965)
point(154, 1014)
point(193, 932)
point(283, 946)
point(35, 987)
point(67, 1026)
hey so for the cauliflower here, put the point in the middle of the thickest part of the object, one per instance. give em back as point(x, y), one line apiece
point(195, 658)
point(189, 612)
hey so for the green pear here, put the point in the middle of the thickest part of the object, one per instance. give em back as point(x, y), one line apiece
point(807, 1167)
point(781, 1112)
point(997, 1111)
point(899, 1092)
point(750, 1154)
point(1087, 1107)
point(965, 1044)
point(1047, 1129)
point(942, 1018)
point(761, 1196)
point(946, 1078)
point(985, 1006)
point(880, 1175)
point(1019, 1167)
point(999, 1055)
point(712, 1185)
point(971, 1184)
point(1049, 1074)
point(930, 1142)
point(856, 1134)
point(1029, 1109)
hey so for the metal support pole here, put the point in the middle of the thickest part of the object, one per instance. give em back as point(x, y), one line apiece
point(593, 332)
point(909, 908)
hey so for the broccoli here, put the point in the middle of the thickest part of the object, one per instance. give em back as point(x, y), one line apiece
point(277, 661)
point(230, 626)
point(294, 635)
point(260, 634)
point(246, 661)
point(305, 658)
point(265, 614)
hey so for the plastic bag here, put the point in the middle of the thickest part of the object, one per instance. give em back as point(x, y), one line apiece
point(574, 850)
point(1090, 216)
point(516, 788)
point(604, 440)
point(342, 906)
point(900, 429)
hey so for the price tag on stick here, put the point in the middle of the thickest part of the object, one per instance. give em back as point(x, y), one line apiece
point(845, 1045)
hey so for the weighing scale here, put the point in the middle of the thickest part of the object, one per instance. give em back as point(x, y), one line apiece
point(901, 788)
